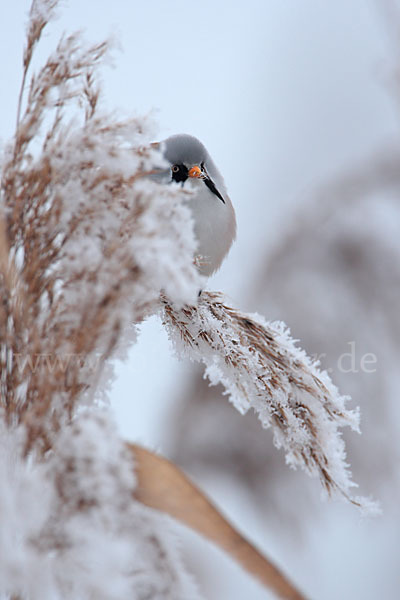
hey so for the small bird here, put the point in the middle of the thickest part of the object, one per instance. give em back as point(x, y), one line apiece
point(213, 213)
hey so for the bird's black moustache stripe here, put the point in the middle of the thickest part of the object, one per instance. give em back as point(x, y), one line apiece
point(181, 174)
point(211, 186)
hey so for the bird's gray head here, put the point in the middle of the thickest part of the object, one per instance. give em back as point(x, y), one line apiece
point(185, 148)
point(189, 159)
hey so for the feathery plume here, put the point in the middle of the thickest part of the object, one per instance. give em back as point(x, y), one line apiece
point(261, 368)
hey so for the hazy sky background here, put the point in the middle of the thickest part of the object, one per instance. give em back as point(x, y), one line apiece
point(285, 95)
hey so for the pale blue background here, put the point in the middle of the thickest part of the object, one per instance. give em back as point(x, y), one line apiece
point(284, 94)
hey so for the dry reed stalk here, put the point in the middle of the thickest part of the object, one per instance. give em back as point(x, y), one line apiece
point(161, 485)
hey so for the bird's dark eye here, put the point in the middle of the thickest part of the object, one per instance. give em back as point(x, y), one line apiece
point(175, 168)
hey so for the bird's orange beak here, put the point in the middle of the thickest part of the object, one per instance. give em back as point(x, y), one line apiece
point(195, 172)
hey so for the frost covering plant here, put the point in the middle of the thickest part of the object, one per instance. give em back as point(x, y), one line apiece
point(70, 527)
point(262, 369)
point(88, 246)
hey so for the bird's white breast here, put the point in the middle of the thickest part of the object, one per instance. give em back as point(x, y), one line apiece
point(214, 227)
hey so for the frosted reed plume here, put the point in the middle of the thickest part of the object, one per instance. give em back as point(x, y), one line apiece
point(86, 245)
point(262, 369)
